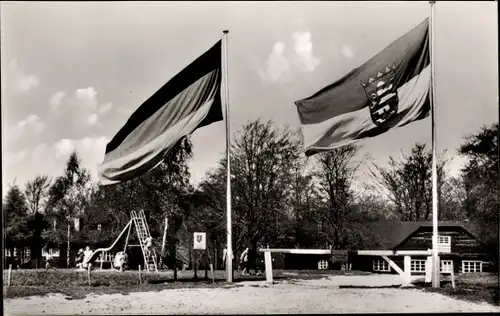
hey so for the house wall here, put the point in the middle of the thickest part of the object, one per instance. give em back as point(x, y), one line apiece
point(299, 261)
point(365, 263)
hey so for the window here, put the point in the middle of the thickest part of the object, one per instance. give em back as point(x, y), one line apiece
point(444, 244)
point(446, 266)
point(53, 252)
point(15, 252)
point(322, 265)
point(417, 265)
point(27, 253)
point(472, 266)
point(99, 226)
point(444, 240)
point(381, 266)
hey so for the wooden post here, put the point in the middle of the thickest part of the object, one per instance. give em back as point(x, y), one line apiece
point(206, 263)
point(140, 277)
point(428, 270)
point(9, 275)
point(212, 270)
point(88, 273)
point(407, 262)
point(215, 258)
point(269, 267)
point(175, 261)
point(452, 275)
point(195, 267)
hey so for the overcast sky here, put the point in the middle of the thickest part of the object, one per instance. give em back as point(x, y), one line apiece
point(73, 72)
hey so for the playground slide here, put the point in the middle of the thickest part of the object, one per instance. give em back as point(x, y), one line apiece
point(96, 253)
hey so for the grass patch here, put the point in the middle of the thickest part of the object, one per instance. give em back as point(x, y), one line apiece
point(473, 287)
point(81, 292)
point(74, 284)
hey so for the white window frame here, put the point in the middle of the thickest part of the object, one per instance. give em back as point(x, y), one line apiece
point(444, 244)
point(417, 265)
point(322, 265)
point(470, 266)
point(444, 240)
point(15, 252)
point(54, 252)
point(380, 265)
point(27, 253)
point(446, 266)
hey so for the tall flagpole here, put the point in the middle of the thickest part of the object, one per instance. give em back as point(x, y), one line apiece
point(435, 257)
point(229, 254)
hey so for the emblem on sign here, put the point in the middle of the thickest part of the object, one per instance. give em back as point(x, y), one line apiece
point(382, 94)
point(200, 241)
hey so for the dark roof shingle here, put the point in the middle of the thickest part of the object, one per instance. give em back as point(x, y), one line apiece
point(389, 234)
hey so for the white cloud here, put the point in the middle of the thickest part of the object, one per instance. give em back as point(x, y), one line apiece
point(19, 81)
point(56, 100)
point(32, 126)
point(93, 118)
point(81, 99)
point(25, 164)
point(347, 51)
point(105, 108)
point(303, 47)
point(73, 113)
point(277, 66)
point(89, 149)
point(63, 147)
point(86, 98)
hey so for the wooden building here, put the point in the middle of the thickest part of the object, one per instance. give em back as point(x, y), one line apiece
point(457, 243)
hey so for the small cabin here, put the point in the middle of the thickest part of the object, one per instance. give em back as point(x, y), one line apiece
point(457, 243)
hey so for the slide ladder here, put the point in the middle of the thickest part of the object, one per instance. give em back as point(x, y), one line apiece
point(142, 234)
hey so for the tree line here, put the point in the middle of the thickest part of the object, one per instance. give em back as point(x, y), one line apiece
point(280, 198)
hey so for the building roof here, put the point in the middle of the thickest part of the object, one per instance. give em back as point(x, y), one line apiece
point(389, 234)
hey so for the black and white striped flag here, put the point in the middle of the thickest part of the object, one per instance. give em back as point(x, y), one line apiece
point(188, 101)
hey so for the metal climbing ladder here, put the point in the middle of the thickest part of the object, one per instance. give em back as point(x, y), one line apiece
point(142, 233)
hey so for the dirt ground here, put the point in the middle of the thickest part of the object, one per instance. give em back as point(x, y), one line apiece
point(291, 296)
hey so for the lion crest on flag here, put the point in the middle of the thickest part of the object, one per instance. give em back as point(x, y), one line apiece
point(382, 95)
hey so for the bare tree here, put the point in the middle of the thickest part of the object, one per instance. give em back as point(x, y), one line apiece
point(262, 161)
point(408, 182)
point(335, 175)
point(37, 192)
